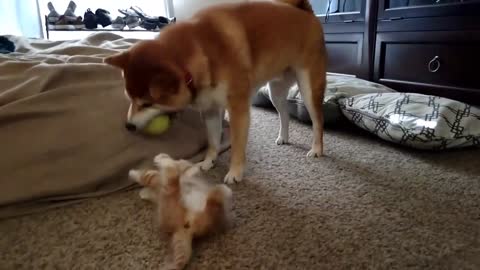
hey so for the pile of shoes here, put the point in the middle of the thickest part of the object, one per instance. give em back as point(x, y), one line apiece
point(135, 16)
point(67, 21)
point(92, 20)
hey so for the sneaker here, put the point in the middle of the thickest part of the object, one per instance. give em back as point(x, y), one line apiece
point(148, 25)
point(132, 21)
point(103, 17)
point(53, 16)
point(127, 12)
point(131, 18)
point(64, 24)
point(142, 14)
point(151, 22)
point(163, 20)
point(119, 23)
point(90, 20)
point(70, 12)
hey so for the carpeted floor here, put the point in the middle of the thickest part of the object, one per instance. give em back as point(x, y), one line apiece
point(366, 205)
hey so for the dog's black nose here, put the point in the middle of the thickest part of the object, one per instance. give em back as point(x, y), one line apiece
point(130, 127)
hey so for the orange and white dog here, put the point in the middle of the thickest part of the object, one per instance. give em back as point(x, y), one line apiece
point(215, 60)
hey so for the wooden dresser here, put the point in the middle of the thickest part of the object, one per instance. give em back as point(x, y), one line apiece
point(423, 46)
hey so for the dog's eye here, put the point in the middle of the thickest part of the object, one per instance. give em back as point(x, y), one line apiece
point(147, 105)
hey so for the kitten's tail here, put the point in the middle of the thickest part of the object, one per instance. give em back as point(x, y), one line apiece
point(301, 4)
point(182, 248)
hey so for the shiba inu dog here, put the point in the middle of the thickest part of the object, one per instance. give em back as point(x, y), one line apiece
point(216, 59)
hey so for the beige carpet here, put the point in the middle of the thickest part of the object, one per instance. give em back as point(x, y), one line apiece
point(366, 205)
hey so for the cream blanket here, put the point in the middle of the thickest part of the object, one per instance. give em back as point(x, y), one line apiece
point(62, 118)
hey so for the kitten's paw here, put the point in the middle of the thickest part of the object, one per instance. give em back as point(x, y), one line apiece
point(280, 140)
point(135, 175)
point(315, 152)
point(206, 165)
point(146, 194)
point(160, 157)
point(233, 176)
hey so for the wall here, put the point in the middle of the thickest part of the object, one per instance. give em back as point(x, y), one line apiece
point(20, 18)
point(183, 9)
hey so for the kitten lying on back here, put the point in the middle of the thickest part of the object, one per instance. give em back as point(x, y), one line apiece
point(187, 206)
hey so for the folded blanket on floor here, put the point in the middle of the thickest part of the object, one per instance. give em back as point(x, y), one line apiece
point(62, 116)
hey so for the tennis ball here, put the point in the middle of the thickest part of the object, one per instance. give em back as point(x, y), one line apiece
point(157, 125)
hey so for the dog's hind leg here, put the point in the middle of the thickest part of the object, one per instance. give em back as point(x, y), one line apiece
point(312, 83)
point(278, 91)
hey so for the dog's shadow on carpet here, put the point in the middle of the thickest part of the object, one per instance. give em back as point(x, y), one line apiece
point(267, 227)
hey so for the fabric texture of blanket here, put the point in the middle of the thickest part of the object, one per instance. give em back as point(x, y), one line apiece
point(62, 114)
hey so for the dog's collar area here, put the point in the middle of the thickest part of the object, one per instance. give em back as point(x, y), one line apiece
point(190, 85)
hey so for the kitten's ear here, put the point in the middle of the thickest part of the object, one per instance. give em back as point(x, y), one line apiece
point(119, 60)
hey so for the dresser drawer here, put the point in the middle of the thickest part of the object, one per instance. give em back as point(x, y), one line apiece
point(441, 59)
point(345, 54)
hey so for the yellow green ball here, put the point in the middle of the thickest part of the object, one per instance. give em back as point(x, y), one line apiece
point(157, 125)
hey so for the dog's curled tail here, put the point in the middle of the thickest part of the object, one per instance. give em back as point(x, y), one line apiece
point(301, 4)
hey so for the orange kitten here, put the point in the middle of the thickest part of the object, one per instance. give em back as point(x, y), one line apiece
point(187, 206)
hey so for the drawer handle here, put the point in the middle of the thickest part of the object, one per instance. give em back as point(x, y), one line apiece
point(434, 64)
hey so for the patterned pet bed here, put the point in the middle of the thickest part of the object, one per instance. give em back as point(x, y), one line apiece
point(414, 120)
point(338, 87)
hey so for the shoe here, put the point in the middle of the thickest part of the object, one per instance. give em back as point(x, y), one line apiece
point(6, 46)
point(131, 19)
point(127, 12)
point(151, 22)
point(78, 23)
point(103, 17)
point(64, 24)
point(148, 25)
point(53, 16)
point(90, 20)
point(142, 14)
point(70, 12)
point(119, 23)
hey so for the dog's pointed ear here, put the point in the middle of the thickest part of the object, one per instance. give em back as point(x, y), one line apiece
point(118, 60)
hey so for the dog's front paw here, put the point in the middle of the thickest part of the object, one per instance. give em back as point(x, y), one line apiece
point(281, 140)
point(315, 152)
point(206, 165)
point(233, 176)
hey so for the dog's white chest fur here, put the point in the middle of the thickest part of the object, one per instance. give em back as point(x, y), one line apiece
point(212, 97)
